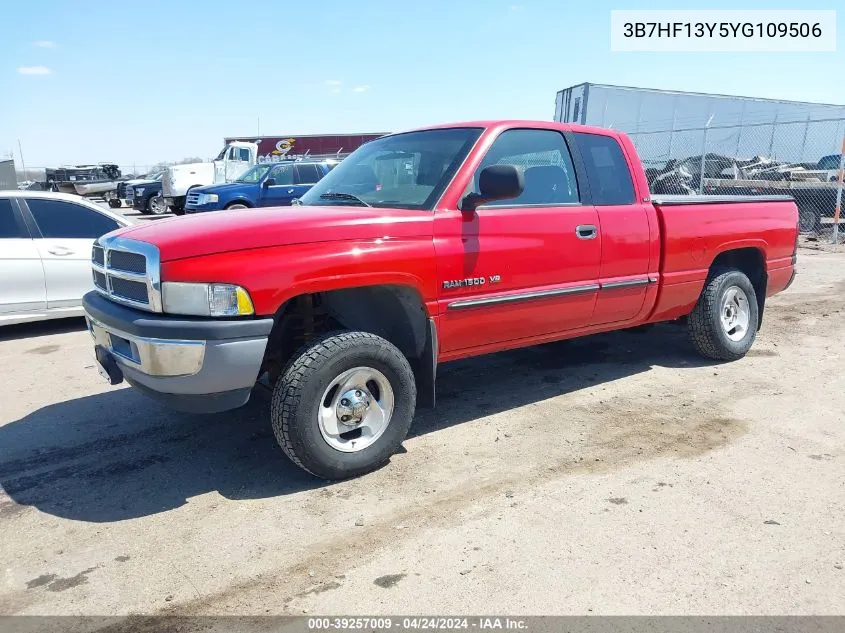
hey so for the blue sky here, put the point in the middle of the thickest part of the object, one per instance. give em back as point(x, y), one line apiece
point(161, 80)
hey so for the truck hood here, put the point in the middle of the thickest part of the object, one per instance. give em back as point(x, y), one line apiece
point(223, 187)
point(224, 231)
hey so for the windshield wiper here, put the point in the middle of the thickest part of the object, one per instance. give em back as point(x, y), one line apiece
point(344, 196)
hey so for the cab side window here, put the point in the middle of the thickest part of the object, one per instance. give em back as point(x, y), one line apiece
point(544, 158)
point(607, 169)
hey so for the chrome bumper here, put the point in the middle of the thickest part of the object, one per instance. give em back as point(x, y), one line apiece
point(150, 356)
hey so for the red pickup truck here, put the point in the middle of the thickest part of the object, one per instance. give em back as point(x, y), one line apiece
point(420, 248)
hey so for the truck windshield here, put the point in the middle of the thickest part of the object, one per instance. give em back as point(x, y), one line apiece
point(404, 171)
point(254, 173)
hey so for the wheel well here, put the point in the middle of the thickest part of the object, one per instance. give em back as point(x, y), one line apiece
point(393, 312)
point(752, 262)
point(243, 202)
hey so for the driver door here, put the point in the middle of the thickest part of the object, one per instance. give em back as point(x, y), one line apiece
point(237, 163)
point(278, 189)
point(522, 268)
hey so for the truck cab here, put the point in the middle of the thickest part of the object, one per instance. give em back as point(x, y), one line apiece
point(232, 161)
point(263, 185)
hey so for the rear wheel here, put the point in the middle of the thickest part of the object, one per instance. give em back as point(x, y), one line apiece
point(115, 203)
point(344, 404)
point(723, 324)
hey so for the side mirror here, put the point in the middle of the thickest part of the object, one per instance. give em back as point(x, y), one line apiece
point(268, 183)
point(496, 182)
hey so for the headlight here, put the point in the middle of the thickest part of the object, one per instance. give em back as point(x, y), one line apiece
point(208, 198)
point(205, 299)
point(140, 191)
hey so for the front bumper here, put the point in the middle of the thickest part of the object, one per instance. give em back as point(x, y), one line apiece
point(202, 208)
point(195, 365)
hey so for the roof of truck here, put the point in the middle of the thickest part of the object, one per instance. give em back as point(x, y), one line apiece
point(491, 123)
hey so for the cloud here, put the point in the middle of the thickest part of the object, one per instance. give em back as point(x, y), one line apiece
point(335, 91)
point(333, 82)
point(45, 44)
point(360, 88)
point(34, 70)
point(516, 7)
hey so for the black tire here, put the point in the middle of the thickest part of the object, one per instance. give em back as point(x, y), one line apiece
point(115, 203)
point(297, 398)
point(705, 321)
point(149, 209)
point(237, 205)
point(177, 210)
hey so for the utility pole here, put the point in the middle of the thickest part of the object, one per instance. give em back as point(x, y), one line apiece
point(258, 117)
point(23, 163)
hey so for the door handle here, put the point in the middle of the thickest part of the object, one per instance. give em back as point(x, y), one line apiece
point(59, 251)
point(290, 190)
point(586, 231)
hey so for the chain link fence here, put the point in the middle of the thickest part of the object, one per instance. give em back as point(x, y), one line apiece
point(798, 158)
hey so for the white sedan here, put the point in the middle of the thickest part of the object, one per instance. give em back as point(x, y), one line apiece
point(45, 253)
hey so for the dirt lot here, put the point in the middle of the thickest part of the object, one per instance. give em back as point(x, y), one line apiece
point(618, 474)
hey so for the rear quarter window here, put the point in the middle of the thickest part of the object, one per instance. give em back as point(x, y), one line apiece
point(607, 170)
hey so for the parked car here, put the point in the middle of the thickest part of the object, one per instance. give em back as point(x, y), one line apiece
point(266, 185)
point(421, 248)
point(45, 253)
point(125, 191)
point(147, 197)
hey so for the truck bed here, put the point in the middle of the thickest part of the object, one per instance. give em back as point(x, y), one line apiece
point(696, 229)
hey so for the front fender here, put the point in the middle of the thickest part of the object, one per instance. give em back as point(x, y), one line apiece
point(276, 274)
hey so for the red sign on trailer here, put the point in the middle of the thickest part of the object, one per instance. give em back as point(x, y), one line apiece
point(273, 149)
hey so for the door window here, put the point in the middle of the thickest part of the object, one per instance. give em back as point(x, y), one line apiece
point(307, 174)
point(607, 169)
point(283, 174)
point(60, 219)
point(240, 153)
point(544, 158)
point(10, 227)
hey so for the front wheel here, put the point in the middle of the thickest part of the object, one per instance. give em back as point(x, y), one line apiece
point(115, 203)
point(723, 324)
point(344, 405)
point(156, 205)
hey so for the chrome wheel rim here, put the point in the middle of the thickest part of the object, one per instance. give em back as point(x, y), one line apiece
point(355, 409)
point(735, 313)
point(237, 206)
point(157, 205)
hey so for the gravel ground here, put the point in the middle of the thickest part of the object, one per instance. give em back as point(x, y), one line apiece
point(617, 474)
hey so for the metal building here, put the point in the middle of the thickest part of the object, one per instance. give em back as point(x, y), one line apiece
point(669, 125)
point(8, 179)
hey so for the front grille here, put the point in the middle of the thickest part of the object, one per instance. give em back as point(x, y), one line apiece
point(130, 193)
point(192, 199)
point(127, 289)
point(128, 262)
point(166, 184)
point(127, 272)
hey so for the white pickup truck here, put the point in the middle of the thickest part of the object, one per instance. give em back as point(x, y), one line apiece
point(232, 161)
